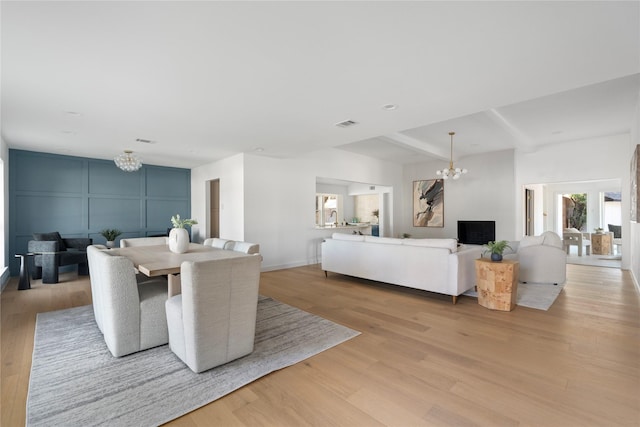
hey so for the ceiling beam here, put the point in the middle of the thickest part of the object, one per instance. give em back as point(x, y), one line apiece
point(403, 140)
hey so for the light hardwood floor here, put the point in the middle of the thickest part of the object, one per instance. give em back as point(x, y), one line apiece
point(420, 360)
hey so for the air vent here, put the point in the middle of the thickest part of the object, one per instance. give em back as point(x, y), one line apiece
point(346, 123)
point(372, 187)
point(145, 141)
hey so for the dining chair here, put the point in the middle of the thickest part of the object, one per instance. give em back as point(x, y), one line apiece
point(216, 242)
point(130, 315)
point(245, 247)
point(144, 241)
point(213, 320)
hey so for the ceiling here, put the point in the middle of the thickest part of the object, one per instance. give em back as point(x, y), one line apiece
point(206, 80)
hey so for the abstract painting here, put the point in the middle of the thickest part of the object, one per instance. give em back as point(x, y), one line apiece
point(428, 203)
point(635, 185)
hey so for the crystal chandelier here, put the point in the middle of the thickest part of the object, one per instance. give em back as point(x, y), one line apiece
point(452, 172)
point(128, 161)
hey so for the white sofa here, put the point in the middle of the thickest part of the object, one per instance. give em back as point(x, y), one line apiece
point(435, 265)
point(542, 258)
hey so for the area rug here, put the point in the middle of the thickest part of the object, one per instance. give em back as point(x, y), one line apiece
point(75, 380)
point(533, 295)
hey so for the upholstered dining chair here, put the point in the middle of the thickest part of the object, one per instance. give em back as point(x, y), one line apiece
point(617, 236)
point(245, 247)
point(144, 241)
point(130, 315)
point(574, 237)
point(216, 242)
point(213, 320)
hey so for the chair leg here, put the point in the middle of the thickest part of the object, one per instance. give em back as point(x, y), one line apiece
point(83, 269)
point(36, 273)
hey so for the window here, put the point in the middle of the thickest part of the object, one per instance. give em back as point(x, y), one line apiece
point(328, 208)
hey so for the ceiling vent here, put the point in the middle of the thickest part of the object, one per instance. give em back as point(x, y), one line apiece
point(346, 123)
point(145, 141)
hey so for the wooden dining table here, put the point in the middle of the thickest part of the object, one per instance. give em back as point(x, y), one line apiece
point(158, 260)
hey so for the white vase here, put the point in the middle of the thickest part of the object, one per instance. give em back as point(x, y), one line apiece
point(111, 244)
point(178, 240)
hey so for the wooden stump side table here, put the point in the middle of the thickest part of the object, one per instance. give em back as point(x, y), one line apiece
point(601, 243)
point(497, 283)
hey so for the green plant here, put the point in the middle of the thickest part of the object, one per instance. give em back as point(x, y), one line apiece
point(497, 247)
point(180, 223)
point(110, 234)
point(376, 213)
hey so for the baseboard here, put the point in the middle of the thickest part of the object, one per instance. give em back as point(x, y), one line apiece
point(635, 281)
point(285, 266)
point(4, 278)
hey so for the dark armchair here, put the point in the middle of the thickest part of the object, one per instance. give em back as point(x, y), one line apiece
point(51, 252)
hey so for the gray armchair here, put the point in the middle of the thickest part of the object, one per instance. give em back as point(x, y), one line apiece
point(52, 251)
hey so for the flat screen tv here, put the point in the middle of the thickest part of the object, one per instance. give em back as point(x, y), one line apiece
point(476, 232)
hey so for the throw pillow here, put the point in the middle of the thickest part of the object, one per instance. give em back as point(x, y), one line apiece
point(53, 236)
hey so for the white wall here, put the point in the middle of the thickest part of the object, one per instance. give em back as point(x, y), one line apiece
point(485, 193)
point(583, 161)
point(4, 213)
point(271, 201)
point(633, 230)
point(230, 172)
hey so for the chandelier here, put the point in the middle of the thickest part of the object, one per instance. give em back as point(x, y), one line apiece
point(452, 172)
point(128, 161)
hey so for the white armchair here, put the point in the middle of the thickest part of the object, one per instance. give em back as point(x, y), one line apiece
point(573, 237)
point(213, 320)
point(216, 242)
point(542, 258)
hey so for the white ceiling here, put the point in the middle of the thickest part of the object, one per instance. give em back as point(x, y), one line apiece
point(205, 80)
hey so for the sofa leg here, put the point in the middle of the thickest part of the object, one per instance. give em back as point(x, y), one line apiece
point(325, 274)
point(455, 299)
point(36, 273)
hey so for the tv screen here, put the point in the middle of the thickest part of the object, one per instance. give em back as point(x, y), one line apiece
point(476, 232)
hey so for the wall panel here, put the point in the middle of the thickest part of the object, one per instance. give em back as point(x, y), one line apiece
point(79, 197)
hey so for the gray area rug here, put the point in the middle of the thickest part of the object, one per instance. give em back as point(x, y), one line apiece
point(533, 295)
point(75, 380)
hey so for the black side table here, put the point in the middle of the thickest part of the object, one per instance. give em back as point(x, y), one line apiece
point(25, 282)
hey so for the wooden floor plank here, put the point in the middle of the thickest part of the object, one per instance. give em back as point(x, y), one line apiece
point(420, 360)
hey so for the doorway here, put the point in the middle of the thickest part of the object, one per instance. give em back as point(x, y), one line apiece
point(214, 208)
point(574, 211)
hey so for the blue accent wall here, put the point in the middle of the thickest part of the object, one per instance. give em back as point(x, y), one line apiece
point(79, 197)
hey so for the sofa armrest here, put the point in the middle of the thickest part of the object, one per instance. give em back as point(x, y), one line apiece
point(42, 246)
point(77, 243)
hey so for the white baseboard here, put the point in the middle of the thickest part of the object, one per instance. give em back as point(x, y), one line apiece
point(4, 278)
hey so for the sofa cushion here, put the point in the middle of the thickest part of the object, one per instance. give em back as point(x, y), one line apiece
point(53, 236)
point(344, 236)
point(384, 240)
point(451, 244)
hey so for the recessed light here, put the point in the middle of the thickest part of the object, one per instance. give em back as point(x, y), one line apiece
point(557, 132)
point(72, 113)
point(258, 149)
point(389, 107)
point(145, 141)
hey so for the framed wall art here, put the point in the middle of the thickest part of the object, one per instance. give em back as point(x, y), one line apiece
point(428, 203)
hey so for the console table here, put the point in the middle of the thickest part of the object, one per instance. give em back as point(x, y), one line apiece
point(497, 283)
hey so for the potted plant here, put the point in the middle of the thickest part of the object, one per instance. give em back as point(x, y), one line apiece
point(178, 236)
point(375, 214)
point(496, 249)
point(599, 230)
point(110, 234)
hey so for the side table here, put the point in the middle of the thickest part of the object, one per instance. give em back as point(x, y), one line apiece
point(25, 281)
point(601, 243)
point(497, 283)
